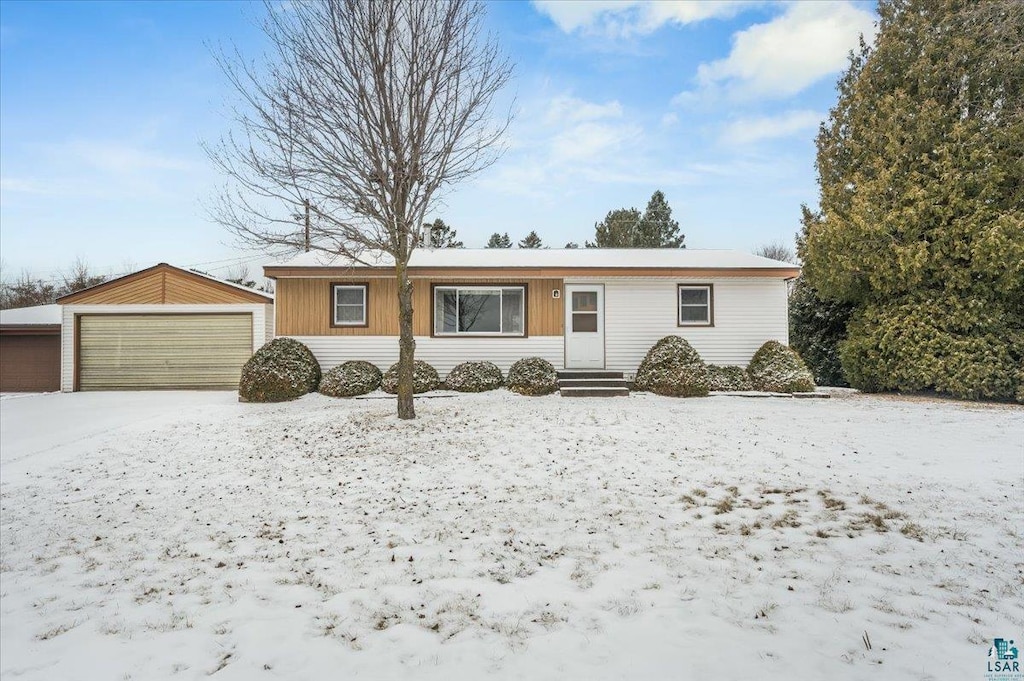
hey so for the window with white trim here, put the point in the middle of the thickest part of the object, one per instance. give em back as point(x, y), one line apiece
point(479, 310)
point(349, 304)
point(695, 305)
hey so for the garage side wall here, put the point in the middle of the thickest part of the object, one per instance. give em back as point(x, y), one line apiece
point(259, 313)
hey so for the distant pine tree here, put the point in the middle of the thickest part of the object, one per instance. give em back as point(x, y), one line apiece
point(629, 228)
point(531, 240)
point(499, 241)
point(656, 228)
point(617, 230)
point(442, 236)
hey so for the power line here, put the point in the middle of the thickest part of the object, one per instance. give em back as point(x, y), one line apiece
point(57, 277)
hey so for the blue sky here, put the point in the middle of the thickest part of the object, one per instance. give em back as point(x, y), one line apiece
point(103, 106)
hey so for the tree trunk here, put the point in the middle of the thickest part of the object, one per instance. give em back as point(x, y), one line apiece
point(406, 345)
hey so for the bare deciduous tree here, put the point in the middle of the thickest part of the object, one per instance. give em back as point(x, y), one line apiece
point(776, 250)
point(364, 112)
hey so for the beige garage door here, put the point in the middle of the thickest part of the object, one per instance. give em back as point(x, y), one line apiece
point(174, 351)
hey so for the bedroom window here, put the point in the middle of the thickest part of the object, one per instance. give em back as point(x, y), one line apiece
point(349, 304)
point(479, 310)
point(696, 305)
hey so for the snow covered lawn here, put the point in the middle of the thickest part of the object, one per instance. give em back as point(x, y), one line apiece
point(179, 535)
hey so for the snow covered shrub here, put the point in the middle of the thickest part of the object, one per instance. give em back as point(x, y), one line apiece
point(281, 370)
point(728, 378)
point(474, 377)
point(424, 378)
point(673, 368)
point(778, 369)
point(532, 376)
point(350, 379)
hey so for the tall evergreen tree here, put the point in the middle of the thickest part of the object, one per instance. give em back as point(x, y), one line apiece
point(922, 201)
point(656, 228)
point(443, 236)
point(617, 230)
point(531, 240)
point(629, 228)
point(499, 241)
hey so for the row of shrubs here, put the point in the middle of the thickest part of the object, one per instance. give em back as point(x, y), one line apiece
point(672, 367)
point(284, 369)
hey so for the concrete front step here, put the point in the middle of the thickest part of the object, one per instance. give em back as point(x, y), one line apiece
point(592, 383)
point(593, 392)
point(583, 374)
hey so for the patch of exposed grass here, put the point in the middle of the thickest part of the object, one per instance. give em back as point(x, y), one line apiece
point(913, 530)
point(788, 519)
point(831, 503)
point(724, 506)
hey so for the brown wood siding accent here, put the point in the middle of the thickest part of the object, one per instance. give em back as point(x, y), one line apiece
point(182, 289)
point(29, 363)
point(523, 273)
point(163, 284)
point(304, 308)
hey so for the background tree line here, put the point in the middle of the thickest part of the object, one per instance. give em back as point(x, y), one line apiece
point(621, 228)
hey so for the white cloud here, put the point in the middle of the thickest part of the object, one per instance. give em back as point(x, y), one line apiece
point(809, 41)
point(117, 157)
point(631, 17)
point(567, 109)
point(749, 130)
point(588, 141)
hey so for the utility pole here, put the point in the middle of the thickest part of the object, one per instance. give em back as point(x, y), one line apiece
point(305, 203)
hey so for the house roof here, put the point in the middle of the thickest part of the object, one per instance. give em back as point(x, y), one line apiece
point(555, 258)
point(38, 315)
point(237, 292)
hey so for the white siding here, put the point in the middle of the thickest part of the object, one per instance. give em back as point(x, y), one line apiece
point(67, 332)
point(441, 353)
point(270, 324)
point(747, 312)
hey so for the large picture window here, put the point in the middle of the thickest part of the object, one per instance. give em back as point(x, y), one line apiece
point(479, 310)
point(349, 303)
point(696, 305)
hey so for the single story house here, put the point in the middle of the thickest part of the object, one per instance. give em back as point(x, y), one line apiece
point(30, 349)
point(577, 308)
point(161, 328)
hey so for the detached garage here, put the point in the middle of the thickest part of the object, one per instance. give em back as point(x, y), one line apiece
point(163, 328)
point(30, 349)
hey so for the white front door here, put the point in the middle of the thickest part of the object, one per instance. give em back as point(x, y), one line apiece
point(584, 326)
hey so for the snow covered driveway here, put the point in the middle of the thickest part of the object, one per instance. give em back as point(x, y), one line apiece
point(179, 535)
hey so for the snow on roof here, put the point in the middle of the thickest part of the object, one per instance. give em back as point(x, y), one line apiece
point(40, 315)
point(240, 287)
point(682, 258)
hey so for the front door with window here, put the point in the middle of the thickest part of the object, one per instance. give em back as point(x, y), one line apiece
point(584, 326)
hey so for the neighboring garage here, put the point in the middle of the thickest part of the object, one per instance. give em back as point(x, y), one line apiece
point(30, 349)
point(163, 328)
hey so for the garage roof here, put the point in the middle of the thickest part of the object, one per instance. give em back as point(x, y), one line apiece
point(38, 315)
point(165, 284)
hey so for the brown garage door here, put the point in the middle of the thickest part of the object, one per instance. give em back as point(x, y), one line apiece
point(168, 351)
point(29, 363)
